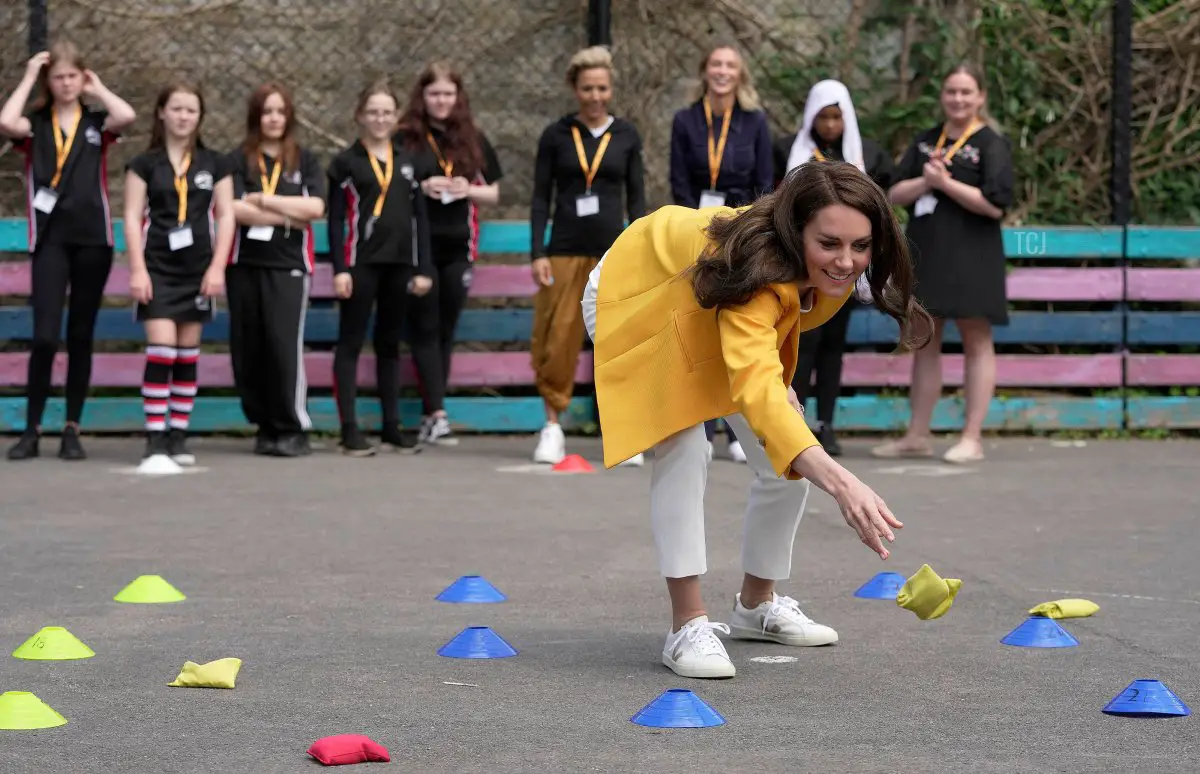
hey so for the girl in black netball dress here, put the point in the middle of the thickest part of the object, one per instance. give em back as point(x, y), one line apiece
point(178, 232)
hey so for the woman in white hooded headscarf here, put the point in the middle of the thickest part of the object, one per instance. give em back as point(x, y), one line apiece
point(829, 133)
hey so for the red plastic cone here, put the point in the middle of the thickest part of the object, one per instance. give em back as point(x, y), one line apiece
point(573, 463)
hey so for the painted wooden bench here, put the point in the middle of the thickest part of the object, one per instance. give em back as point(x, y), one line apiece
point(504, 370)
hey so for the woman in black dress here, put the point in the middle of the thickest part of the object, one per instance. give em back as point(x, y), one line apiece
point(956, 180)
point(829, 133)
point(178, 232)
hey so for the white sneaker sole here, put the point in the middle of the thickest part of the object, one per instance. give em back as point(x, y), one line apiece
point(711, 672)
point(186, 460)
point(801, 641)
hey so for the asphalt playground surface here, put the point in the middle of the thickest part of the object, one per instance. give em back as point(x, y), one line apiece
point(320, 574)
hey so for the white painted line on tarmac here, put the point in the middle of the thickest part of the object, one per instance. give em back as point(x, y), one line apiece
point(774, 659)
point(928, 471)
point(132, 470)
point(536, 468)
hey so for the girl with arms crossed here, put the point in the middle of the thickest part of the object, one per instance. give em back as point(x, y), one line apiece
point(383, 259)
point(177, 258)
point(70, 226)
point(279, 190)
point(696, 315)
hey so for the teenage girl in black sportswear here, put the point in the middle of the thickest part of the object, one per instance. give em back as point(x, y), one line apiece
point(381, 262)
point(178, 232)
point(279, 190)
point(70, 226)
point(458, 170)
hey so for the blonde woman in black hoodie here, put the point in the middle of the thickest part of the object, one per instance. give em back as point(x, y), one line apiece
point(589, 171)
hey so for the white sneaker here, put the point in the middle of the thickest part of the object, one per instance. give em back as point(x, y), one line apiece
point(779, 620)
point(552, 446)
point(710, 451)
point(636, 461)
point(436, 431)
point(695, 650)
point(736, 453)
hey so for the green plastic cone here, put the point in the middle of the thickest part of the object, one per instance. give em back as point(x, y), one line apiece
point(22, 711)
point(149, 589)
point(53, 643)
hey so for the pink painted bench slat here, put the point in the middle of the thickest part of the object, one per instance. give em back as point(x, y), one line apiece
point(1024, 284)
point(1163, 285)
point(1163, 370)
point(493, 369)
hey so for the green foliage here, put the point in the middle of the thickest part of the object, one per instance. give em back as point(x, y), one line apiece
point(1048, 70)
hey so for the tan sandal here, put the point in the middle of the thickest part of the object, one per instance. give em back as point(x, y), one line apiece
point(899, 449)
point(964, 453)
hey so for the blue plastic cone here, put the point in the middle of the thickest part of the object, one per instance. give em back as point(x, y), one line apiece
point(678, 708)
point(477, 642)
point(1040, 632)
point(885, 585)
point(1147, 698)
point(471, 589)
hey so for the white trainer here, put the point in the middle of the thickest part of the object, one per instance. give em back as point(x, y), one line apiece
point(696, 651)
point(736, 453)
point(552, 446)
point(636, 461)
point(778, 620)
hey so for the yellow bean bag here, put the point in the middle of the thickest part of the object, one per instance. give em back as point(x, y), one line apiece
point(215, 674)
point(927, 594)
point(1066, 608)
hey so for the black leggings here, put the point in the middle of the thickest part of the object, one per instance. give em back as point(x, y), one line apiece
point(823, 348)
point(386, 284)
point(56, 266)
point(432, 321)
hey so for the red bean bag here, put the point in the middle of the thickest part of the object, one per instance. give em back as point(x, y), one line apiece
point(341, 749)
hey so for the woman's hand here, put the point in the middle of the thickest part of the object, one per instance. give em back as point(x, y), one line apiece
point(213, 283)
point(34, 68)
point(935, 174)
point(420, 285)
point(435, 186)
point(542, 275)
point(863, 510)
point(795, 401)
point(92, 85)
point(459, 186)
point(343, 285)
point(140, 286)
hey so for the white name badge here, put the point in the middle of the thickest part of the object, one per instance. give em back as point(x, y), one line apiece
point(44, 200)
point(448, 197)
point(260, 233)
point(587, 205)
point(711, 199)
point(180, 238)
point(925, 206)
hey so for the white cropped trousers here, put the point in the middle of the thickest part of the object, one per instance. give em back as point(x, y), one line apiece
point(678, 477)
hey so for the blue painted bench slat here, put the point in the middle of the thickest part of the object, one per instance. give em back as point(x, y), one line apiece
point(1164, 328)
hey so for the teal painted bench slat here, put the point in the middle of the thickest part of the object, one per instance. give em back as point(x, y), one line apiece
point(512, 236)
point(1146, 412)
point(1162, 243)
point(525, 415)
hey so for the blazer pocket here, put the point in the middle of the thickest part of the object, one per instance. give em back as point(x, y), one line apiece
point(699, 337)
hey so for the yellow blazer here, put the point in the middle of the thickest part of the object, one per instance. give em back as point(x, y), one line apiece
point(663, 364)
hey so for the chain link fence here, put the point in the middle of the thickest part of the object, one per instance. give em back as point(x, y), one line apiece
point(512, 53)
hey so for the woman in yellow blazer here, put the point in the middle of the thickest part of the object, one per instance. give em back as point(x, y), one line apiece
point(696, 314)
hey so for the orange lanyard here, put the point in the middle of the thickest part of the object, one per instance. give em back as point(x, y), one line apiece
point(589, 172)
point(715, 155)
point(817, 153)
point(384, 179)
point(181, 186)
point(269, 187)
point(62, 148)
point(974, 127)
point(447, 166)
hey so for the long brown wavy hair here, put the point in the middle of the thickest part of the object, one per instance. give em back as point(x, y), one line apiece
point(460, 143)
point(764, 245)
point(158, 133)
point(62, 50)
point(289, 154)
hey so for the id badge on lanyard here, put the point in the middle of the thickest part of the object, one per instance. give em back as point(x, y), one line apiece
point(588, 204)
point(47, 197)
point(181, 237)
point(716, 152)
point(265, 233)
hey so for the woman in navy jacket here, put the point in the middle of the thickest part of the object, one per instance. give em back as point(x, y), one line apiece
point(721, 150)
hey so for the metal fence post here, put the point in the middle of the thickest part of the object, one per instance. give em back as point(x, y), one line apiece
point(39, 25)
point(599, 23)
point(1121, 187)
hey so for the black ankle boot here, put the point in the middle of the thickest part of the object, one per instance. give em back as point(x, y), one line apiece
point(26, 448)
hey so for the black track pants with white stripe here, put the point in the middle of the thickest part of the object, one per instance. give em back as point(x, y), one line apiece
point(266, 342)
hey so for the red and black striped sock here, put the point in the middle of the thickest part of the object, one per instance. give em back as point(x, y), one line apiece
point(183, 387)
point(156, 385)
